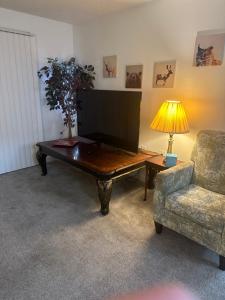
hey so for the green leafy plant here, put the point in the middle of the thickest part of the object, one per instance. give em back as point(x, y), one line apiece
point(63, 80)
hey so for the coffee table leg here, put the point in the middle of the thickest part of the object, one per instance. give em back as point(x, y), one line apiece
point(104, 194)
point(151, 178)
point(41, 158)
point(146, 182)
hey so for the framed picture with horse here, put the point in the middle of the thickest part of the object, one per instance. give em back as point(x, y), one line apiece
point(164, 74)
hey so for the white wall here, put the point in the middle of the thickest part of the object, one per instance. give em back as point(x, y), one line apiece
point(161, 30)
point(54, 39)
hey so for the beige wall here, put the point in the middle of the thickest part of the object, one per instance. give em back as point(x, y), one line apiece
point(161, 30)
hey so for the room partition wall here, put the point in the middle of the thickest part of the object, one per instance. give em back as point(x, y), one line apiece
point(20, 114)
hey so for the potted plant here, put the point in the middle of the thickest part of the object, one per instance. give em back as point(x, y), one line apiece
point(63, 79)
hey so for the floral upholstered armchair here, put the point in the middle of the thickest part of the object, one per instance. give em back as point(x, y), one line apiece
point(190, 197)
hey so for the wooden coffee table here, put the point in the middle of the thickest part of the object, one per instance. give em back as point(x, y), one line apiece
point(104, 162)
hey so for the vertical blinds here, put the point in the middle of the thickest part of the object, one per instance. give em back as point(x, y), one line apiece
point(20, 115)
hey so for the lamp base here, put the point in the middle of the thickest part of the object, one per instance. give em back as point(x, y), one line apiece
point(170, 143)
point(170, 160)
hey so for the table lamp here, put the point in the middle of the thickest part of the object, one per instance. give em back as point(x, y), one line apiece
point(171, 118)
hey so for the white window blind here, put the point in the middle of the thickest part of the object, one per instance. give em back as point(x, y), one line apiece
point(20, 115)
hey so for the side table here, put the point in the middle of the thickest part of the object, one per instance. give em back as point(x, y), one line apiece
point(153, 166)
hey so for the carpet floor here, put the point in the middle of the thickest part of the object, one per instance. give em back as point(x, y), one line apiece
point(54, 244)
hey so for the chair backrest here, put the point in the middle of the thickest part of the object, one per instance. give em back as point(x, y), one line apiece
point(209, 158)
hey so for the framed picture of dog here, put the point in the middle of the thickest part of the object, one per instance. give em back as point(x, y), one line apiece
point(164, 74)
point(134, 76)
point(109, 66)
point(209, 49)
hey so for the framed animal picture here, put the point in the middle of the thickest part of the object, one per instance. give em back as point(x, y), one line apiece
point(110, 66)
point(134, 76)
point(209, 49)
point(164, 74)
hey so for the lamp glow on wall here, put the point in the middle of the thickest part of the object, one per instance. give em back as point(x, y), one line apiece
point(171, 118)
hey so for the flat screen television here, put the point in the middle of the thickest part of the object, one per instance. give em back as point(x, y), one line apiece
point(110, 117)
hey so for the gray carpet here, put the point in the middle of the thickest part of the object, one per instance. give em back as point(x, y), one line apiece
point(54, 244)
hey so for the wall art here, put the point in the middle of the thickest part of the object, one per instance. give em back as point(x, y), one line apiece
point(164, 74)
point(110, 66)
point(209, 49)
point(134, 76)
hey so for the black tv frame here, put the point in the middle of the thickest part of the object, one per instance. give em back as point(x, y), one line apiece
point(120, 102)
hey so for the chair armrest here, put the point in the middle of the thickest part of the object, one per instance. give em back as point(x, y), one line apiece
point(169, 181)
point(175, 178)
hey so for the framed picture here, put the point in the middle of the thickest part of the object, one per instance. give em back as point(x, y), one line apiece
point(164, 74)
point(209, 49)
point(110, 66)
point(134, 76)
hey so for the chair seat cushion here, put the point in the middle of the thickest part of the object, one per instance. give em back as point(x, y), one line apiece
point(199, 205)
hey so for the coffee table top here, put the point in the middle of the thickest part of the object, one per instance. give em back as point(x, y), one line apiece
point(99, 158)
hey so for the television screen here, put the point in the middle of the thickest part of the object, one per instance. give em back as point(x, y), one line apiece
point(110, 117)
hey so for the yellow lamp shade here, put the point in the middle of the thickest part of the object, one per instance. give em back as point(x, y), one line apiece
point(171, 118)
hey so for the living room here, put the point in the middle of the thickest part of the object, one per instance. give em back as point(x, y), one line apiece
point(55, 242)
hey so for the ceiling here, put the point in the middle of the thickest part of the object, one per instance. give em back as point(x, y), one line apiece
point(70, 11)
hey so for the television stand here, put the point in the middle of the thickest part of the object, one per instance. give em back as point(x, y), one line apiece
point(104, 162)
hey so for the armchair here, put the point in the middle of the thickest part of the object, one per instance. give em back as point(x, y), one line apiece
point(190, 197)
